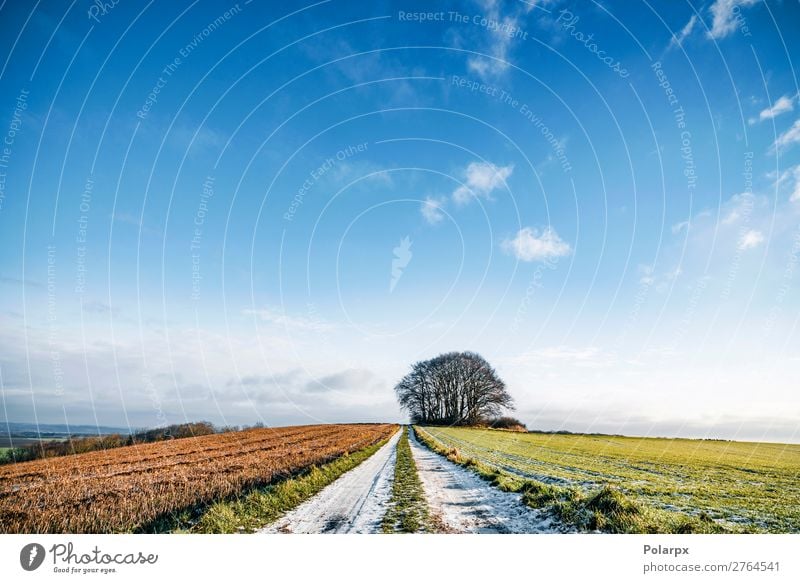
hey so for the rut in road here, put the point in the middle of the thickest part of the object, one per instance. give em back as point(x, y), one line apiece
point(461, 502)
point(354, 503)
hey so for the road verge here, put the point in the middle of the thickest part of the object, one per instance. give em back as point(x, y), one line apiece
point(255, 509)
point(605, 510)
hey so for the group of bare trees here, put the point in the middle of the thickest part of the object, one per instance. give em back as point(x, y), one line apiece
point(456, 388)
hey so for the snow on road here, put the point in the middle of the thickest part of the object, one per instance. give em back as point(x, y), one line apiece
point(356, 502)
point(460, 501)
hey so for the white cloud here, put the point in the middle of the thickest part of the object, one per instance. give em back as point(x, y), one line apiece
point(484, 67)
point(647, 275)
point(787, 138)
point(795, 196)
point(481, 179)
point(361, 170)
point(431, 210)
point(750, 240)
point(782, 105)
point(589, 356)
point(278, 317)
point(199, 139)
point(724, 16)
point(678, 227)
point(792, 175)
point(529, 245)
point(501, 35)
point(739, 206)
point(677, 39)
point(135, 221)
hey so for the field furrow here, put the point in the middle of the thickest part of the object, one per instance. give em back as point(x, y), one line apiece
point(128, 488)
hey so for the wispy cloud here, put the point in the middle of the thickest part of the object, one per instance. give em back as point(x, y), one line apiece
point(363, 170)
point(659, 280)
point(647, 275)
point(678, 227)
point(751, 239)
point(783, 104)
point(503, 30)
point(589, 356)
point(498, 47)
point(431, 210)
point(98, 307)
point(137, 221)
point(787, 138)
point(531, 245)
point(200, 139)
point(481, 179)
point(128, 219)
point(737, 207)
point(677, 39)
point(795, 196)
point(790, 176)
point(725, 14)
point(280, 318)
point(15, 281)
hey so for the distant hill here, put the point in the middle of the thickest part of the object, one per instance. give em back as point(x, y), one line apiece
point(14, 429)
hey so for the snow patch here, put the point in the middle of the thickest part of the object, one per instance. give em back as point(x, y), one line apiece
point(354, 503)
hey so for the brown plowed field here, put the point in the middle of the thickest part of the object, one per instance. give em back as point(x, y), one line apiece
point(125, 489)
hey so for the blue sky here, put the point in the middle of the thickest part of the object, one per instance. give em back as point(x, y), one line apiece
point(256, 212)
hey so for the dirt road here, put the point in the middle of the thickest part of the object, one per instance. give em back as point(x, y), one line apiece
point(461, 502)
point(354, 503)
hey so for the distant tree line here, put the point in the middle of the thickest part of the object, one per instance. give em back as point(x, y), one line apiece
point(456, 388)
point(83, 444)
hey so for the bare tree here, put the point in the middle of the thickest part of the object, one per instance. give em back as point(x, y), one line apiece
point(456, 388)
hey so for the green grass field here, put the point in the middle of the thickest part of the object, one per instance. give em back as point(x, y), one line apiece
point(753, 486)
